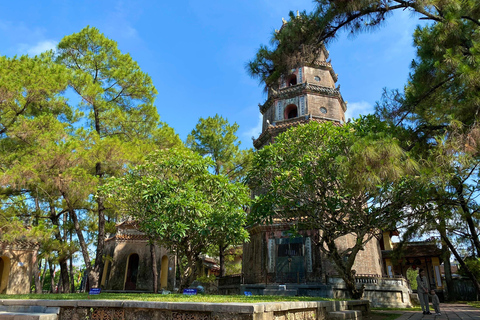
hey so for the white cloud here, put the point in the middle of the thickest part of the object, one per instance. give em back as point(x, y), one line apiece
point(255, 132)
point(354, 109)
point(39, 47)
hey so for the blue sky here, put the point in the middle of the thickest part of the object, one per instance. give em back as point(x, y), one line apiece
point(196, 51)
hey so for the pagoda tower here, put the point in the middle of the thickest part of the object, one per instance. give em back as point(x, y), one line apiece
point(273, 256)
point(307, 94)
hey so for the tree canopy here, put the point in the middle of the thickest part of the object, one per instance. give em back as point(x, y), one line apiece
point(438, 107)
point(345, 181)
point(180, 204)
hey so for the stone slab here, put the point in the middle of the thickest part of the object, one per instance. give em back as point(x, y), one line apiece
point(347, 314)
point(5, 315)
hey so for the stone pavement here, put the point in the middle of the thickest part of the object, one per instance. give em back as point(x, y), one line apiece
point(449, 311)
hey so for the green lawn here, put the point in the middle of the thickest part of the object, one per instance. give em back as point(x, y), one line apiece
point(474, 304)
point(163, 298)
point(399, 309)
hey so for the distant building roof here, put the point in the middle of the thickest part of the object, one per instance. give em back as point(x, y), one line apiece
point(415, 250)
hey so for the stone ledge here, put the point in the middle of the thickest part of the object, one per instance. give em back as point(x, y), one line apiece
point(247, 309)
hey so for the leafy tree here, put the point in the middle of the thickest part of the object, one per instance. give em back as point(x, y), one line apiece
point(30, 102)
point(439, 104)
point(215, 138)
point(179, 203)
point(119, 98)
point(345, 181)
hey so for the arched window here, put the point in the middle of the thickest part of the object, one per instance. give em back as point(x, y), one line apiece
point(291, 111)
point(132, 272)
point(292, 80)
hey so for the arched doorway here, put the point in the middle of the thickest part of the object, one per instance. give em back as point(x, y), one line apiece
point(164, 272)
point(291, 111)
point(4, 273)
point(132, 272)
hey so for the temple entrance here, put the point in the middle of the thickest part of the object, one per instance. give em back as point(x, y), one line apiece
point(164, 272)
point(132, 272)
point(4, 273)
point(290, 261)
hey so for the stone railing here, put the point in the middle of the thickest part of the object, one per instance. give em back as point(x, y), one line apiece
point(296, 90)
point(381, 291)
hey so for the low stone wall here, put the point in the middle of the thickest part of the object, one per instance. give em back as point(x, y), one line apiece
point(382, 292)
point(135, 310)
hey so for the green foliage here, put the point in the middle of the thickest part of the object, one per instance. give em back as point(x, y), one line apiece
point(412, 278)
point(473, 265)
point(118, 95)
point(31, 87)
point(215, 137)
point(341, 180)
point(207, 279)
point(179, 203)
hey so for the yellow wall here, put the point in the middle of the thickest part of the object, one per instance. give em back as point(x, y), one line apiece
point(436, 273)
point(4, 273)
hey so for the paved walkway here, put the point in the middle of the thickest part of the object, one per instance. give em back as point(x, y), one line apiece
point(449, 311)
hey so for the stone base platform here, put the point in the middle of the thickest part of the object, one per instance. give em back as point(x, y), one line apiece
point(136, 310)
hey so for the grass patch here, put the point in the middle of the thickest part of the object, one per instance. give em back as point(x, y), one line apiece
point(399, 309)
point(162, 298)
point(475, 304)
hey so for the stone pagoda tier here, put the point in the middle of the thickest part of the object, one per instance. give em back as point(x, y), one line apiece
point(307, 94)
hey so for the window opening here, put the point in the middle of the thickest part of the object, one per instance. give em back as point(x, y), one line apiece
point(291, 111)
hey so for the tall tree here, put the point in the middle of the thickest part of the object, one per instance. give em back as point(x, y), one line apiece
point(179, 203)
point(119, 99)
point(30, 102)
point(341, 180)
point(216, 138)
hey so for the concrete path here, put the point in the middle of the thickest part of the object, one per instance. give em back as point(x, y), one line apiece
point(449, 311)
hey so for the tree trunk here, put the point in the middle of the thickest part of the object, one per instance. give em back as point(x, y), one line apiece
point(468, 218)
point(52, 277)
point(64, 278)
point(351, 285)
point(450, 292)
point(153, 255)
point(43, 276)
point(36, 274)
point(462, 263)
point(99, 264)
point(62, 259)
point(84, 247)
point(451, 296)
point(72, 280)
point(221, 255)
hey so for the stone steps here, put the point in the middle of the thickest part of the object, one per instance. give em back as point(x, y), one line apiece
point(28, 313)
point(347, 314)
